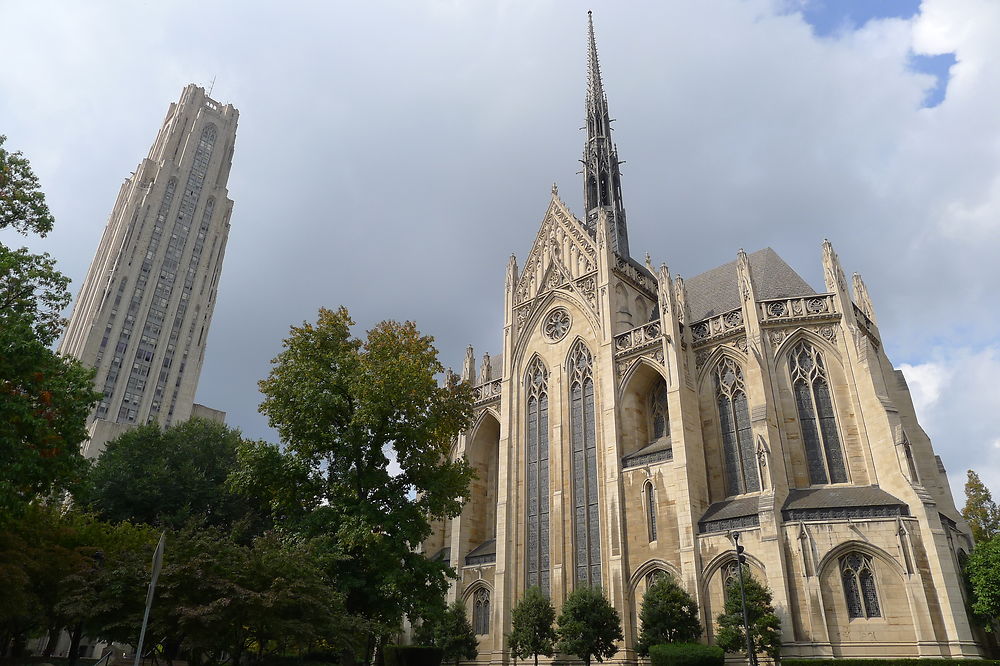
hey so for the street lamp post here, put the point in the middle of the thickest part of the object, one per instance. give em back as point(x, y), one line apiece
point(740, 561)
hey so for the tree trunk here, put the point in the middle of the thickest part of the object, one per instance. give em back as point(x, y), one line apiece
point(50, 646)
point(536, 659)
point(75, 634)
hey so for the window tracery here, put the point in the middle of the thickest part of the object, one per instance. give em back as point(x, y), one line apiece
point(538, 475)
point(740, 461)
point(858, 576)
point(814, 403)
point(586, 521)
point(481, 611)
point(659, 424)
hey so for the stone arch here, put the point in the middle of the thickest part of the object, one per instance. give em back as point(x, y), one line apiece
point(482, 451)
point(638, 584)
point(481, 618)
point(895, 622)
point(713, 359)
point(634, 408)
point(712, 599)
point(799, 334)
point(729, 447)
point(576, 304)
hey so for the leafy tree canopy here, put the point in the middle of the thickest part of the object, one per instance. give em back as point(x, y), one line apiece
point(44, 398)
point(532, 630)
point(983, 571)
point(589, 626)
point(341, 405)
point(668, 615)
point(765, 627)
point(980, 510)
point(168, 476)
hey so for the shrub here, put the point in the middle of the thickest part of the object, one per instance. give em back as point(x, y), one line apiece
point(890, 662)
point(412, 655)
point(687, 654)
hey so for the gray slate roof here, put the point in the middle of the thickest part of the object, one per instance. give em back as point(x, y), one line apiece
point(714, 292)
point(733, 508)
point(488, 547)
point(825, 498)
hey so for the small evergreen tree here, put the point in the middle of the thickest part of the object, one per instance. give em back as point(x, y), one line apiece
point(668, 615)
point(454, 634)
point(980, 510)
point(589, 626)
point(765, 627)
point(532, 632)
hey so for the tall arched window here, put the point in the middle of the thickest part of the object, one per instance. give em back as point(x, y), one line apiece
point(824, 454)
point(538, 475)
point(858, 576)
point(586, 521)
point(647, 489)
point(481, 611)
point(659, 424)
point(742, 475)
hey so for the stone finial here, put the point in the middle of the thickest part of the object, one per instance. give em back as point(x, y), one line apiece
point(862, 298)
point(486, 369)
point(833, 273)
point(511, 271)
point(680, 295)
point(469, 366)
point(744, 276)
point(555, 190)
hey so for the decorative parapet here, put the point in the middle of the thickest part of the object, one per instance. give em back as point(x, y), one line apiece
point(638, 339)
point(635, 278)
point(867, 326)
point(804, 308)
point(719, 326)
point(487, 392)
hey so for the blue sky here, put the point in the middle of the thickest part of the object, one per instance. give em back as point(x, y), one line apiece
point(830, 18)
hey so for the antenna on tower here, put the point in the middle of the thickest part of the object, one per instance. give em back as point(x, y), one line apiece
point(211, 87)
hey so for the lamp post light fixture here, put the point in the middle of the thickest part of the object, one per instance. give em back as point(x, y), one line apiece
point(741, 559)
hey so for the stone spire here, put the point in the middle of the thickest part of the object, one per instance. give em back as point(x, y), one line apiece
point(601, 172)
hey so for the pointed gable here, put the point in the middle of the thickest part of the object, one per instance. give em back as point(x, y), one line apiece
point(563, 251)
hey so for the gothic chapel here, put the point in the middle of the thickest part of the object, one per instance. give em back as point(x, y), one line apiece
point(634, 420)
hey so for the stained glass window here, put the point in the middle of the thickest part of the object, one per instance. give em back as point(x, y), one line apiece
point(814, 403)
point(658, 422)
point(860, 590)
point(481, 611)
point(738, 451)
point(650, 509)
point(586, 520)
point(536, 388)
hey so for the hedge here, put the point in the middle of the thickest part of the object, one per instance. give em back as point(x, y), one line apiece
point(890, 662)
point(412, 655)
point(686, 654)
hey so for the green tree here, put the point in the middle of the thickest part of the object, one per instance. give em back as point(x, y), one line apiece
point(981, 512)
point(454, 635)
point(532, 626)
point(167, 477)
point(589, 626)
point(983, 570)
point(44, 398)
point(765, 627)
point(342, 405)
point(668, 615)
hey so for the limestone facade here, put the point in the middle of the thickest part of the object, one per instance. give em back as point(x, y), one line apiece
point(635, 419)
point(142, 315)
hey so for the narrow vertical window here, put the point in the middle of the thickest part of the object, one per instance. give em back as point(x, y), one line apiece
point(538, 476)
point(659, 424)
point(586, 520)
point(740, 461)
point(481, 611)
point(813, 401)
point(650, 509)
point(860, 591)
